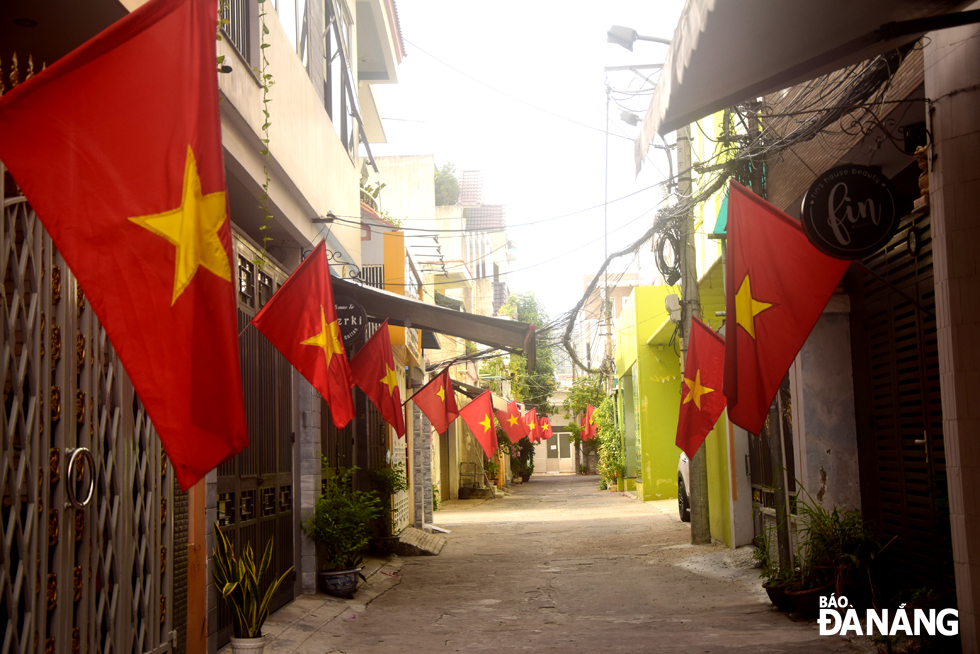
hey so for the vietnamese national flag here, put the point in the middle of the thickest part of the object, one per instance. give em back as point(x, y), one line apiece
point(778, 285)
point(590, 429)
point(702, 400)
point(510, 422)
point(437, 401)
point(117, 146)
point(478, 416)
point(373, 370)
point(544, 424)
point(530, 422)
point(301, 322)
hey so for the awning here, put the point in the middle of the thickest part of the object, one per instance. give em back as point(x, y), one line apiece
point(509, 335)
point(727, 51)
point(499, 403)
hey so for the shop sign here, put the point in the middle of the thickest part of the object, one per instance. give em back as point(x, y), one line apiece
point(850, 211)
point(350, 318)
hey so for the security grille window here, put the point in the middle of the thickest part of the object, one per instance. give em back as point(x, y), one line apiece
point(265, 289)
point(373, 275)
point(246, 282)
point(239, 25)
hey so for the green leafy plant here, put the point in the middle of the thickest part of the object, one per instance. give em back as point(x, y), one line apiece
point(492, 467)
point(436, 500)
point(522, 458)
point(341, 521)
point(389, 480)
point(237, 580)
point(266, 81)
point(836, 547)
point(612, 457)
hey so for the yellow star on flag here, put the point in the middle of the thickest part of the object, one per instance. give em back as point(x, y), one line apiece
point(441, 393)
point(532, 426)
point(328, 338)
point(389, 380)
point(485, 423)
point(747, 307)
point(512, 420)
point(193, 229)
point(696, 390)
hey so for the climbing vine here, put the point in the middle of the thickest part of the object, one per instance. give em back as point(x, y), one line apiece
point(267, 82)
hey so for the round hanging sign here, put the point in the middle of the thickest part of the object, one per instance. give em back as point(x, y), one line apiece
point(350, 318)
point(850, 211)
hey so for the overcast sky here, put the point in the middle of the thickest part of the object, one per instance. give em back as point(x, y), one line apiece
point(549, 57)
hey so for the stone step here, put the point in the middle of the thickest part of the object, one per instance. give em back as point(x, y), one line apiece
point(415, 542)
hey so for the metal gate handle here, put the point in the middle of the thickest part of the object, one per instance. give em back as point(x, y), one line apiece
point(70, 485)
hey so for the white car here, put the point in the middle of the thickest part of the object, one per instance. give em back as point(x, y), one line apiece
point(683, 492)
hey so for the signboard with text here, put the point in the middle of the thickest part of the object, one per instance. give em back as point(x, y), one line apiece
point(350, 318)
point(850, 211)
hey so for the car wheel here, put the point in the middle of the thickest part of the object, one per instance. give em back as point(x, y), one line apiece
point(683, 508)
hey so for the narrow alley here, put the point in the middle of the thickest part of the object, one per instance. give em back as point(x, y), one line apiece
point(555, 566)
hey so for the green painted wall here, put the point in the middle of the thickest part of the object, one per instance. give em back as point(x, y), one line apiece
point(656, 379)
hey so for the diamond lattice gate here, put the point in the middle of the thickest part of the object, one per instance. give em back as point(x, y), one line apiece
point(86, 534)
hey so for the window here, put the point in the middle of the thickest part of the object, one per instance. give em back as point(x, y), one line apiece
point(337, 39)
point(292, 16)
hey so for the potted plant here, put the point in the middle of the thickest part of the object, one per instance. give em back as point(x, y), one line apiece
point(775, 580)
point(237, 580)
point(492, 469)
point(522, 459)
point(837, 554)
point(341, 523)
point(388, 480)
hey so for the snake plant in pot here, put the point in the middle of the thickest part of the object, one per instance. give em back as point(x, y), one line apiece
point(341, 523)
point(237, 580)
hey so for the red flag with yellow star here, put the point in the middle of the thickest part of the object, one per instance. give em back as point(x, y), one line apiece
point(510, 421)
point(544, 424)
point(437, 401)
point(373, 370)
point(478, 416)
point(117, 146)
point(701, 398)
point(530, 422)
point(778, 285)
point(589, 423)
point(301, 322)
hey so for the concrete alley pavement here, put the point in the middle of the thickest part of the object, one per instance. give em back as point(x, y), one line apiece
point(558, 566)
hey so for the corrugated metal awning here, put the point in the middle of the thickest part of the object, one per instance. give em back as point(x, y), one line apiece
point(509, 335)
point(727, 51)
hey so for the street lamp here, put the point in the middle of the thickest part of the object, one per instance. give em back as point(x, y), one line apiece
point(626, 36)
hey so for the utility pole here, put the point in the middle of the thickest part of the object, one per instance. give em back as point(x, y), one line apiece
point(607, 319)
point(691, 307)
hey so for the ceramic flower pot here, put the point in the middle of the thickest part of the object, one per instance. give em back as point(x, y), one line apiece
point(807, 602)
point(339, 583)
point(777, 595)
point(248, 645)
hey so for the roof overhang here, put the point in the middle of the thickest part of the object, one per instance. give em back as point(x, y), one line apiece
point(499, 403)
point(509, 335)
point(728, 51)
